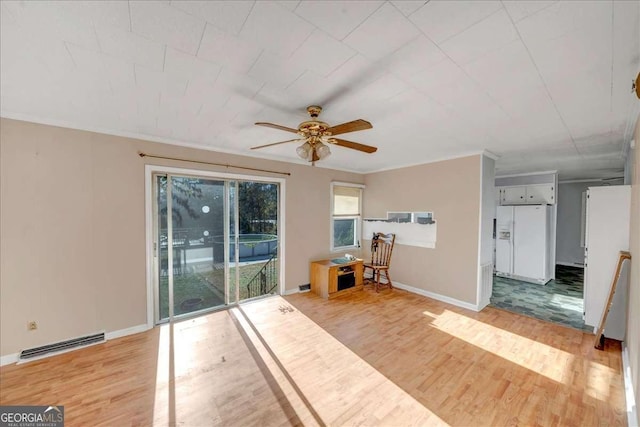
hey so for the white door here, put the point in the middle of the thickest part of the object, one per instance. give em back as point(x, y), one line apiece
point(529, 241)
point(504, 239)
point(607, 233)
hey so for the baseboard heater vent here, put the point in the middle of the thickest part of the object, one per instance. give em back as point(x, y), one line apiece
point(62, 346)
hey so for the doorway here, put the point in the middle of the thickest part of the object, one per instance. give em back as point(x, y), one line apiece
point(560, 301)
point(215, 241)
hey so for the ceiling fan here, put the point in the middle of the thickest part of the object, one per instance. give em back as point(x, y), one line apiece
point(316, 136)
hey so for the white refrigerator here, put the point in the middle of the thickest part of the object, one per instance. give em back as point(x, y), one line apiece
point(523, 236)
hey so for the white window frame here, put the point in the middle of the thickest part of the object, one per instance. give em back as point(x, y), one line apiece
point(150, 170)
point(358, 218)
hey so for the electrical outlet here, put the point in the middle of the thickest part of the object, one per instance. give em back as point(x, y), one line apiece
point(32, 325)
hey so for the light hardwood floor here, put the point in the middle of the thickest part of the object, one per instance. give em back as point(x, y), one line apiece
point(471, 369)
point(392, 358)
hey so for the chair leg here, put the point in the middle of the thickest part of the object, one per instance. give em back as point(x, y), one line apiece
point(386, 273)
point(377, 280)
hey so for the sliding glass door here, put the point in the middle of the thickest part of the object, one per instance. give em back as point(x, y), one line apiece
point(215, 243)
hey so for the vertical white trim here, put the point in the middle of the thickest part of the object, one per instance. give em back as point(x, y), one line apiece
point(170, 245)
point(630, 398)
point(226, 221)
point(479, 262)
point(281, 234)
point(555, 228)
point(236, 238)
point(149, 221)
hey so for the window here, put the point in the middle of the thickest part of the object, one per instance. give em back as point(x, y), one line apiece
point(346, 205)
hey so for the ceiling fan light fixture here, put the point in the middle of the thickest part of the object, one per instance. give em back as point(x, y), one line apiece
point(322, 150)
point(305, 151)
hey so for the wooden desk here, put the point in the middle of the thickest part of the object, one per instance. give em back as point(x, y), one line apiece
point(329, 279)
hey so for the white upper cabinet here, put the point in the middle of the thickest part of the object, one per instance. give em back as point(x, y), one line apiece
point(537, 194)
point(540, 194)
point(513, 196)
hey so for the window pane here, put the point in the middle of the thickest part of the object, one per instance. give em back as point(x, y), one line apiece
point(346, 200)
point(344, 231)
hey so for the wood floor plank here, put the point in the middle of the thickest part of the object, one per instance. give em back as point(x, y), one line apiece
point(389, 358)
point(488, 368)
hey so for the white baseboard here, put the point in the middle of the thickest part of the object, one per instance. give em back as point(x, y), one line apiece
point(291, 291)
point(9, 359)
point(482, 305)
point(15, 357)
point(632, 406)
point(433, 295)
point(127, 331)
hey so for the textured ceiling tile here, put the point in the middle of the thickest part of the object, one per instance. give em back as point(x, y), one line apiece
point(441, 20)
point(506, 73)
point(228, 16)
point(310, 89)
point(413, 57)
point(104, 12)
point(407, 7)
point(289, 4)
point(162, 23)
point(520, 9)
point(337, 18)
point(446, 83)
point(151, 81)
point(276, 71)
point(275, 28)
point(53, 20)
point(227, 50)
point(131, 47)
point(490, 34)
point(357, 71)
point(322, 53)
point(384, 88)
point(563, 18)
point(183, 65)
point(382, 33)
point(238, 83)
point(74, 62)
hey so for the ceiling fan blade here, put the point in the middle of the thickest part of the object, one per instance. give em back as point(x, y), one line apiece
point(275, 126)
point(275, 143)
point(355, 145)
point(350, 127)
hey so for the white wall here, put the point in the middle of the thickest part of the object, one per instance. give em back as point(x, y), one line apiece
point(568, 249)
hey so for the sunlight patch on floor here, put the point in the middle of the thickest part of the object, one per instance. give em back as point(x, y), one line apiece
point(599, 381)
point(341, 386)
point(556, 364)
point(567, 302)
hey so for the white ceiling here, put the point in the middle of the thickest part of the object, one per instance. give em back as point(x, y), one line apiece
point(544, 85)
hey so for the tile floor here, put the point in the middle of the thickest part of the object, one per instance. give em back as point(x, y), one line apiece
point(559, 301)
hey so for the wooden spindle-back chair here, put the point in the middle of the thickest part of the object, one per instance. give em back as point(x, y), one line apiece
point(381, 249)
